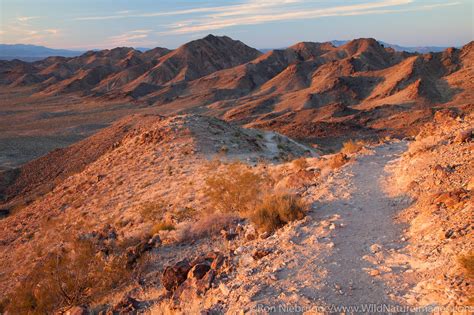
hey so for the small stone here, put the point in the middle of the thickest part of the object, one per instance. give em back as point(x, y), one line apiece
point(227, 235)
point(449, 233)
point(155, 240)
point(375, 248)
point(224, 289)
point(332, 226)
point(374, 272)
point(385, 269)
point(246, 260)
point(239, 250)
point(77, 310)
point(260, 253)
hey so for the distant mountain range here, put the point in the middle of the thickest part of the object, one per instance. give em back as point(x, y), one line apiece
point(418, 49)
point(314, 88)
point(35, 53)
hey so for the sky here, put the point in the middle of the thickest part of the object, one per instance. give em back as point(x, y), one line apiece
point(95, 24)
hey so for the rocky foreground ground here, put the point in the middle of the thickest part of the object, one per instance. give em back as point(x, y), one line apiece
point(137, 229)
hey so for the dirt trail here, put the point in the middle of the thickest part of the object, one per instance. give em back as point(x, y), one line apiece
point(328, 259)
point(366, 215)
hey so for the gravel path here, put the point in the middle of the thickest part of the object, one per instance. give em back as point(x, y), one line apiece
point(368, 230)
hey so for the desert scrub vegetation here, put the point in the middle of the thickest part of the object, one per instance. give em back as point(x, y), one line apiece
point(300, 164)
point(467, 262)
point(66, 277)
point(238, 190)
point(152, 210)
point(162, 226)
point(337, 160)
point(276, 210)
point(351, 146)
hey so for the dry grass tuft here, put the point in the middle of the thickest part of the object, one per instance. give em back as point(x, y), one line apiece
point(337, 160)
point(212, 224)
point(276, 210)
point(351, 147)
point(300, 164)
point(152, 210)
point(162, 226)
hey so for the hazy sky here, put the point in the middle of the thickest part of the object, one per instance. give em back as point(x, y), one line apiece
point(87, 24)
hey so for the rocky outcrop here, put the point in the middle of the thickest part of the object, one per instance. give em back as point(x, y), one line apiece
point(187, 280)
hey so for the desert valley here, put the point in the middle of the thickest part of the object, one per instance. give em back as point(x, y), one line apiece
point(214, 178)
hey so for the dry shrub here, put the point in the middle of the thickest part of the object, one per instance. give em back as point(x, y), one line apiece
point(350, 147)
point(185, 213)
point(212, 224)
point(300, 164)
point(467, 262)
point(152, 210)
point(275, 210)
point(162, 226)
point(423, 144)
point(209, 225)
point(236, 189)
point(66, 278)
point(337, 160)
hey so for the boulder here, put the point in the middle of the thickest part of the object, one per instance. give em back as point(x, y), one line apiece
point(187, 279)
point(174, 276)
point(463, 136)
point(198, 271)
point(77, 310)
point(128, 305)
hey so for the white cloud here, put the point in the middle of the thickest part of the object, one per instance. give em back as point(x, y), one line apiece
point(258, 12)
point(27, 18)
point(262, 11)
point(249, 4)
point(131, 38)
point(52, 31)
point(252, 12)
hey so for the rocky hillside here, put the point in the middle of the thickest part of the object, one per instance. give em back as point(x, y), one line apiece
point(141, 162)
point(437, 171)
